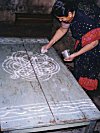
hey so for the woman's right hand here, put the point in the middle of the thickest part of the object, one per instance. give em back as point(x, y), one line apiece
point(44, 49)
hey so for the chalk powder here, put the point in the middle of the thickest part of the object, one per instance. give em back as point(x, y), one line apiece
point(18, 66)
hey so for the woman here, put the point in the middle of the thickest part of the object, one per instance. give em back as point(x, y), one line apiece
point(83, 19)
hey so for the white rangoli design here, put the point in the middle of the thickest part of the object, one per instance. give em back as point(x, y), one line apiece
point(19, 66)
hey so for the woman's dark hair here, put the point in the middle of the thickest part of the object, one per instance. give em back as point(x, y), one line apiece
point(62, 7)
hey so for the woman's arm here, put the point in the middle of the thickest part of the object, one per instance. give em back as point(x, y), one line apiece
point(87, 48)
point(58, 35)
point(82, 50)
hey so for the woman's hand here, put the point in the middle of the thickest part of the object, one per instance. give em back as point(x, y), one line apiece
point(82, 50)
point(44, 49)
point(70, 57)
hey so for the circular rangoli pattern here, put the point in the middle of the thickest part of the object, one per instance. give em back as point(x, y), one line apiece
point(42, 66)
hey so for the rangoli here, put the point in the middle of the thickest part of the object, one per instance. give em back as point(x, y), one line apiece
point(42, 66)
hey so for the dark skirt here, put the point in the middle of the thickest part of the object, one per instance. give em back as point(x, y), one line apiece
point(88, 64)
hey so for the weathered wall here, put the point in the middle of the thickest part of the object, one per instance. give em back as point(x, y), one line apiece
point(20, 6)
point(8, 8)
point(40, 6)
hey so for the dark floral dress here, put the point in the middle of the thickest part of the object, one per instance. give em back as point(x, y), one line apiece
point(85, 28)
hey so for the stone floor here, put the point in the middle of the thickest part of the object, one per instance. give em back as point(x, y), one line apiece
point(41, 30)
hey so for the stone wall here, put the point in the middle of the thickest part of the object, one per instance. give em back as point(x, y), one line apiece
point(21, 6)
point(8, 8)
point(7, 16)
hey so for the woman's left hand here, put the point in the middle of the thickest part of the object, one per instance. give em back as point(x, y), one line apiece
point(70, 57)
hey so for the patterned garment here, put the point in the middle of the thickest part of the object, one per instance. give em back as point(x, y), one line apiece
point(87, 65)
point(85, 29)
point(89, 37)
point(87, 17)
